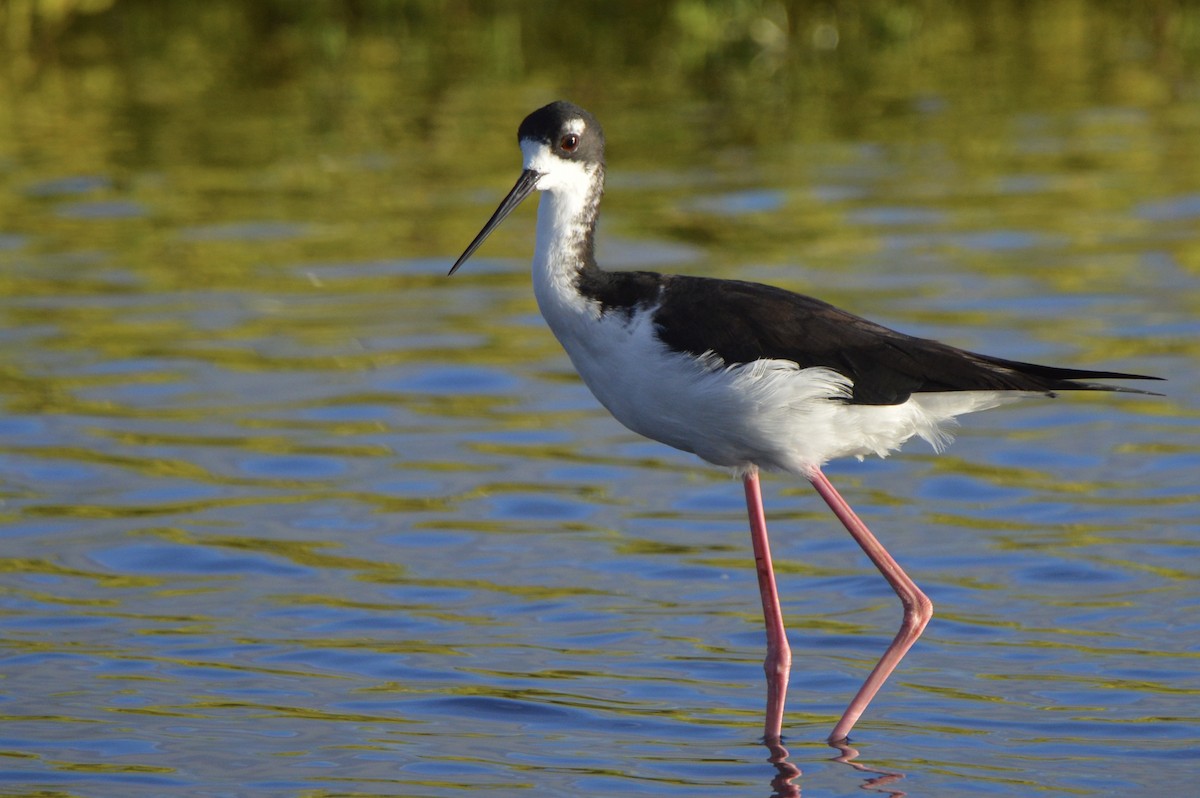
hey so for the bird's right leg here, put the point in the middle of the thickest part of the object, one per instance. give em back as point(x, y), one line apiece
point(778, 663)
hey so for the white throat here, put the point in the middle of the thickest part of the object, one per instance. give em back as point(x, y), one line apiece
point(566, 218)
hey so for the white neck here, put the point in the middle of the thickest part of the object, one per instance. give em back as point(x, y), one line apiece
point(566, 221)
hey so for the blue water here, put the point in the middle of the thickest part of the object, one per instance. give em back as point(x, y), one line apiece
point(263, 563)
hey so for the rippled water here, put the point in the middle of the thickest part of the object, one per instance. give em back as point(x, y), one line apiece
point(285, 511)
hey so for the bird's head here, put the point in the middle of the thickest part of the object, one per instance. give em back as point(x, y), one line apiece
point(563, 150)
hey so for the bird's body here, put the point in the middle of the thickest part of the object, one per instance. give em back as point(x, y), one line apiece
point(769, 411)
point(744, 375)
point(710, 367)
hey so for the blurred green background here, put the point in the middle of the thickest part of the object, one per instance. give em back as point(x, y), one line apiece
point(344, 111)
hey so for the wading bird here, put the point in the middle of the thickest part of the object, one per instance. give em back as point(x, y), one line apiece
point(748, 376)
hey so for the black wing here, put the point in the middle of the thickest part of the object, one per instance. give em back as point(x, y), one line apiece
point(743, 322)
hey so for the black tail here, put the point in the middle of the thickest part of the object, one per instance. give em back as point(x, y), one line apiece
point(1053, 378)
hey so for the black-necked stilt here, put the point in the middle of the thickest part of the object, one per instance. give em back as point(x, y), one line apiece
point(747, 376)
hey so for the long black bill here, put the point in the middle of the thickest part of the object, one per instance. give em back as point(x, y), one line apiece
point(525, 186)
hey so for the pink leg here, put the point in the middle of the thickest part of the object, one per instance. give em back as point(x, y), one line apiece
point(918, 609)
point(778, 663)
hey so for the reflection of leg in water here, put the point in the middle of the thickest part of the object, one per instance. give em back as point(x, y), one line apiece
point(878, 783)
point(782, 783)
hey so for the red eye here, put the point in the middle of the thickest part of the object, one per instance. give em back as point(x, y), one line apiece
point(569, 142)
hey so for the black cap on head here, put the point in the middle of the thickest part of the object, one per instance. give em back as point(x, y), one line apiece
point(570, 131)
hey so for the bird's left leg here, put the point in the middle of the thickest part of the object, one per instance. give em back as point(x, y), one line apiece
point(918, 609)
